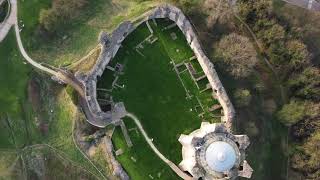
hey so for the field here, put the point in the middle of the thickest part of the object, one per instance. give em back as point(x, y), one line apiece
point(157, 87)
point(19, 126)
point(20, 120)
point(81, 34)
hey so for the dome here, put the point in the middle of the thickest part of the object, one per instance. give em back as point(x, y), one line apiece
point(220, 156)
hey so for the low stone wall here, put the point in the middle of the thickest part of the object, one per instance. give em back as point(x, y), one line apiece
point(116, 166)
point(112, 44)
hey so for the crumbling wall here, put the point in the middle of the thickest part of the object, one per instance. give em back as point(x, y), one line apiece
point(112, 44)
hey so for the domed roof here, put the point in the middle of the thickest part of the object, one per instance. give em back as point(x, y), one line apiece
point(220, 156)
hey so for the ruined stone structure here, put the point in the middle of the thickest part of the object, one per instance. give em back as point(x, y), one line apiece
point(195, 145)
point(211, 152)
point(111, 44)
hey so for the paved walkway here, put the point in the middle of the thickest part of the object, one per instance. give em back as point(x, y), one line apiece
point(9, 21)
point(174, 167)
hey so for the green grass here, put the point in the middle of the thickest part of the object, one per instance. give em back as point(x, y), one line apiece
point(18, 127)
point(179, 50)
point(154, 93)
point(82, 33)
point(13, 99)
point(146, 161)
point(56, 164)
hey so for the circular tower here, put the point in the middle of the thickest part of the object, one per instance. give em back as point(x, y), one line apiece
point(212, 152)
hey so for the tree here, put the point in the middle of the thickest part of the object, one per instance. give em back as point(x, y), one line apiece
point(305, 128)
point(296, 111)
point(48, 19)
point(298, 54)
point(238, 55)
point(61, 13)
point(217, 10)
point(242, 97)
point(272, 34)
point(187, 6)
point(306, 84)
point(253, 10)
point(306, 159)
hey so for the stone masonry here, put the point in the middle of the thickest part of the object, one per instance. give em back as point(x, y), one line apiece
point(111, 44)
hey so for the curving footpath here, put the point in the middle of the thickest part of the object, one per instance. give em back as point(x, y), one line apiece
point(174, 167)
point(9, 20)
point(57, 74)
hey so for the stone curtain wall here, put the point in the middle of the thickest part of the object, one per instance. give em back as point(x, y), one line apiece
point(110, 47)
point(112, 44)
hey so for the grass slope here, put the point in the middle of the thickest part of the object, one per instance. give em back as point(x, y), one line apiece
point(18, 126)
point(82, 33)
point(13, 99)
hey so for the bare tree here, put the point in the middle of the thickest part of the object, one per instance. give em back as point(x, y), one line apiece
point(238, 55)
point(217, 10)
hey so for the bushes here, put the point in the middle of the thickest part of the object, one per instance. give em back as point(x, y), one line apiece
point(296, 111)
point(60, 14)
point(307, 157)
point(306, 84)
point(298, 54)
point(284, 53)
point(282, 44)
point(242, 97)
point(217, 11)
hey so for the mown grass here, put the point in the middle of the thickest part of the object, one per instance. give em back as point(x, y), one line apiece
point(154, 93)
point(147, 163)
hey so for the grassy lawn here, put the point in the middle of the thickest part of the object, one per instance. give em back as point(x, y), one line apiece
point(147, 163)
point(18, 126)
point(153, 92)
point(82, 33)
point(13, 99)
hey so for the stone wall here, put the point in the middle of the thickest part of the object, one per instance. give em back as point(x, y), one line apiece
point(112, 44)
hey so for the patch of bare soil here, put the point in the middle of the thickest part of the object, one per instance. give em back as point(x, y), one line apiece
point(85, 64)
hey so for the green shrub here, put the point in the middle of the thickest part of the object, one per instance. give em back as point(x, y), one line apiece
point(296, 111)
point(61, 13)
point(242, 97)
